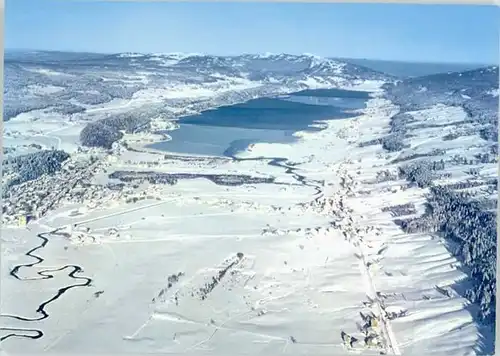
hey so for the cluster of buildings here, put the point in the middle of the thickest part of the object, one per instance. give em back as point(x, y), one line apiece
point(74, 184)
point(32, 199)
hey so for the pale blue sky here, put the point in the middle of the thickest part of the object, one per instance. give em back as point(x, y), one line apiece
point(436, 33)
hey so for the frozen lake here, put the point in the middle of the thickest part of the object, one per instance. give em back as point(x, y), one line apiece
point(228, 129)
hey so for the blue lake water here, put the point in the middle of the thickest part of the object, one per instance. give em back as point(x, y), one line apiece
point(225, 130)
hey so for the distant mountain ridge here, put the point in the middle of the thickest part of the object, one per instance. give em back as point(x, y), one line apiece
point(77, 80)
point(400, 69)
point(307, 63)
point(403, 70)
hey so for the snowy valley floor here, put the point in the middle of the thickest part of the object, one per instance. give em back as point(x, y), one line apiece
point(200, 268)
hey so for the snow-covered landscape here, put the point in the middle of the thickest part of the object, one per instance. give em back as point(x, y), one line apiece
point(364, 224)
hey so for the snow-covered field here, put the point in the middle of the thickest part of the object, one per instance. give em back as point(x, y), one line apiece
point(264, 268)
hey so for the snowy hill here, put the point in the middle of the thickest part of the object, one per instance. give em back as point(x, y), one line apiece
point(450, 121)
point(475, 91)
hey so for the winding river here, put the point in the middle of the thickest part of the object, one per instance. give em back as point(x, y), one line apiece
point(74, 270)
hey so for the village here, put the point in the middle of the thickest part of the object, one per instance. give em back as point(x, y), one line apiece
point(33, 199)
point(76, 183)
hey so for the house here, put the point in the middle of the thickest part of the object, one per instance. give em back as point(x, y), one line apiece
point(22, 220)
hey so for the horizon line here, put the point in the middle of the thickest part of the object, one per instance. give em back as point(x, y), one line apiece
point(242, 54)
